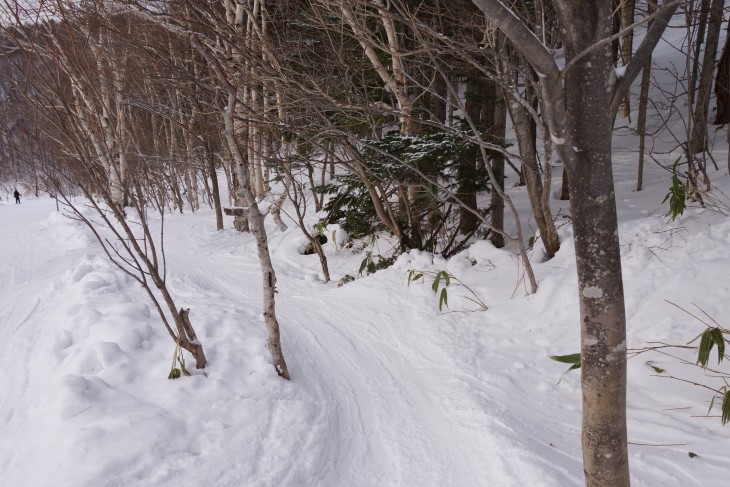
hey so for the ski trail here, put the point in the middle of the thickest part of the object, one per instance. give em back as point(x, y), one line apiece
point(391, 399)
point(385, 403)
point(402, 398)
point(31, 263)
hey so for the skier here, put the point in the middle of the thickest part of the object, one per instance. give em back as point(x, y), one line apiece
point(17, 197)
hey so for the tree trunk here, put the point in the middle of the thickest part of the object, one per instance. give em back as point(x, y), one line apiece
point(587, 160)
point(580, 103)
point(565, 186)
point(603, 325)
point(643, 104)
point(598, 258)
point(188, 339)
point(531, 172)
point(255, 218)
point(641, 123)
point(256, 221)
point(288, 181)
point(296, 193)
point(722, 84)
point(699, 39)
point(698, 139)
point(240, 222)
point(497, 135)
point(477, 104)
point(627, 44)
point(215, 190)
point(439, 98)
point(273, 341)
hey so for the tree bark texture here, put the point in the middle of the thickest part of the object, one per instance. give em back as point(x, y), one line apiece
point(641, 123)
point(525, 135)
point(188, 339)
point(580, 103)
point(722, 84)
point(700, 21)
point(497, 136)
point(698, 139)
point(565, 186)
point(478, 101)
point(215, 190)
point(256, 222)
point(643, 104)
point(626, 11)
point(255, 217)
point(598, 256)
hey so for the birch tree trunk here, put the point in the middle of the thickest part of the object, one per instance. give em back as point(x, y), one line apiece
point(109, 80)
point(256, 220)
point(255, 217)
point(395, 79)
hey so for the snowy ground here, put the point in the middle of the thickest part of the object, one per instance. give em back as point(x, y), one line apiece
point(386, 390)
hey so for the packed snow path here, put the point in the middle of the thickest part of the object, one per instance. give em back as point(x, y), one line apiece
point(373, 400)
point(385, 390)
point(394, 408)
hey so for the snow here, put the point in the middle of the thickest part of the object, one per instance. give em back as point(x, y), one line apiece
point(386, 390)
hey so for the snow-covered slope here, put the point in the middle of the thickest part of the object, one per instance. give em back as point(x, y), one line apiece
point(386, 390)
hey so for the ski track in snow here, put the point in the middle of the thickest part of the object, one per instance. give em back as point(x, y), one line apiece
point(374, 400)
point(385, 390)
point(377, 394)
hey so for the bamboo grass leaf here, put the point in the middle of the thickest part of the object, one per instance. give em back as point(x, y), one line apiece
point(436, 281)
point(719, 340)
point(703, 353)
point(443, 299)
point(658, 370)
